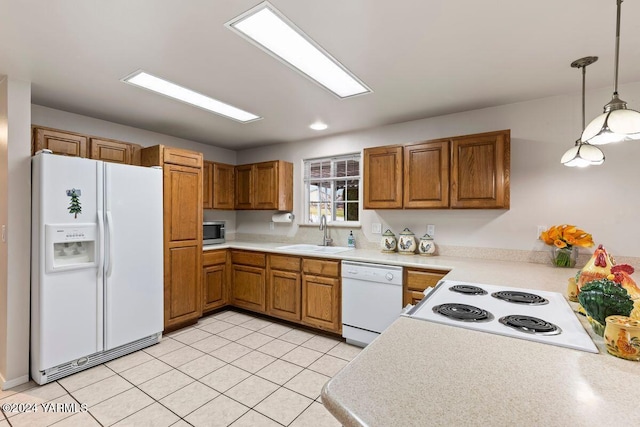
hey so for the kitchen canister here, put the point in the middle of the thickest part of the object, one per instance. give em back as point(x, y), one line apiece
point(407, 242)
point(622, 337)
point(426, 246)
point(388, 243)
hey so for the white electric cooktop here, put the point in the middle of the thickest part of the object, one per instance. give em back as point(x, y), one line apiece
point(534, 315)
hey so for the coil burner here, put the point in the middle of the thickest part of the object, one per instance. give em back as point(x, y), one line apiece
point(518, 297)
point(530, 325)
point(468, 290)
point(463, 312)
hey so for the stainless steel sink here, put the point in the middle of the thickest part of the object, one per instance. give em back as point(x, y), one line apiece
point(303, 247)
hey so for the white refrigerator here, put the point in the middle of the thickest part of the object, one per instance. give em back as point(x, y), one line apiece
point(97, 263)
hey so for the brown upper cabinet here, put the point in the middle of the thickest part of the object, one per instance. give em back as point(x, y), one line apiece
point(480, 167)
point(159, 155)
point(264, 186)
point(109, 150)
point(244, 187)
point(207, 185)
point(78, 145)
point(383, 177)
point(218, 185)
point(426, 175)
point(469, 171)
point(60, 142)
point(223, 186)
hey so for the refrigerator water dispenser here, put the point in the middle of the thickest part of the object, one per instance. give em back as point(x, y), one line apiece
point(70, 247)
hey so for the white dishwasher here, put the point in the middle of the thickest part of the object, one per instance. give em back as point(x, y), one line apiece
point(371, 300)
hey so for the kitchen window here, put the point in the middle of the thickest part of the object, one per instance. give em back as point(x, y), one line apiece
point(332, 188)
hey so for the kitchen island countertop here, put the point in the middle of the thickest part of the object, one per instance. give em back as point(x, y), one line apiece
point(421, 373)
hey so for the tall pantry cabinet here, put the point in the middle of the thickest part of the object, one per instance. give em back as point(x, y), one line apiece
point(182, 232)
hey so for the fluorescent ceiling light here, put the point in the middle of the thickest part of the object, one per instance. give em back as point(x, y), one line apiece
point(175, 91)
point(318, 126)
point(270, 30)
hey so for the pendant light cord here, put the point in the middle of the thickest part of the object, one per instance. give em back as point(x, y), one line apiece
point(617, 51)
point(584, 77)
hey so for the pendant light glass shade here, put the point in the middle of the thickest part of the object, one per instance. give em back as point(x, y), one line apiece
point(617, 123)
point(583, 154)
point(613, 126)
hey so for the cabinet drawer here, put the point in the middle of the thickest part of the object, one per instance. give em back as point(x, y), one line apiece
point(249, 258)
point(177, 156)
point(214, 257)
point(278, 262)
point(321, 267)
point(419, 280)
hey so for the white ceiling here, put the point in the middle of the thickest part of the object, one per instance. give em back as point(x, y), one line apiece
point(422, 58)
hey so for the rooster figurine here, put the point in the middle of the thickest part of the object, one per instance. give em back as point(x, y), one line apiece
point(603, 266)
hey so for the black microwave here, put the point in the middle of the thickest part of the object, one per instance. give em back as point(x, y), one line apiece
point(212, 232)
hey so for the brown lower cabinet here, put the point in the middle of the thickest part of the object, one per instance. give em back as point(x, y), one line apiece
point(215, 280)
point(321, 294)
point(416, 280)
point(181, 290)
point(248, 280)
point(284, 287)
point(321, 301)
point(301, 290)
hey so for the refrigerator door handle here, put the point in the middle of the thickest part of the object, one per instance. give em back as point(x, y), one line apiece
point(101, 243)
point(111, 245)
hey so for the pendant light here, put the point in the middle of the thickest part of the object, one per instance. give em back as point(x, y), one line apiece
point(583, 154)
point(617, 123)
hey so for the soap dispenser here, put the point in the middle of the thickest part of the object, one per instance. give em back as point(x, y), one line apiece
point(351, 240)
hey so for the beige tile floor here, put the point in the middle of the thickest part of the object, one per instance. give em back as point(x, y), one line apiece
point(230, 368)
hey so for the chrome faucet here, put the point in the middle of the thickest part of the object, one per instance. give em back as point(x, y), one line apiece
point(326, 241)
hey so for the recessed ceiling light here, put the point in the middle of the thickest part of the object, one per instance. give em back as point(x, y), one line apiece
point(270, 30)
point(172, 90)
point(318, 126)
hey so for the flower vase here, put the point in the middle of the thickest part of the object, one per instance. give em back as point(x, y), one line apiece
point(564, 257)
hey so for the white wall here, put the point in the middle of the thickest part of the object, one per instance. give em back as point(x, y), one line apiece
point(604, 200)
point(15, 197)
point(49, 117)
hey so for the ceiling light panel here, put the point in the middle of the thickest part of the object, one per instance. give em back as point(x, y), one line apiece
point(318, 126)
point(270, 30)
point(172, 90)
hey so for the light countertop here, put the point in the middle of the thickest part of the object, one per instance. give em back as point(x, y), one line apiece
point(505, 273)
point(421, 373)
point(516, 274)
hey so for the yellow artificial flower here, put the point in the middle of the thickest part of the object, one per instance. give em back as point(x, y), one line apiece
point(566, 235)
point(559, 243)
